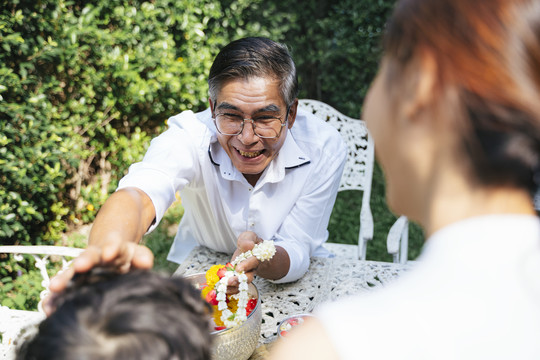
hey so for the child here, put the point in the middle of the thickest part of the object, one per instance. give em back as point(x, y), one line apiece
point(138, 315)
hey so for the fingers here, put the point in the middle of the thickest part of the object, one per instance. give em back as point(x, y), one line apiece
point(60, 281)
point(247, 240)
point(57, 284)
point(233, 286)
point(47, 305)
point(88, 259)
point(134, 257)
point(120, 256)
point(84, 262)
point(143, 258)
point(249, 265)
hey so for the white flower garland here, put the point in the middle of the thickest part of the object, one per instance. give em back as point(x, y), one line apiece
point(263, 251)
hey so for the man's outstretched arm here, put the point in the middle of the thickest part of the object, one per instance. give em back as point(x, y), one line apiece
point(114, 239)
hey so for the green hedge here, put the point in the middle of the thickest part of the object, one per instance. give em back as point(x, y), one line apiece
point(84, 85)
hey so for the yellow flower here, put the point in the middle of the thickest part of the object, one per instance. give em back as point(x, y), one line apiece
point(211, 279)
point(217, 317)
point(205, 291)
point(233, 307)
point(211, 275)
point(90, 207)
point(233, 304)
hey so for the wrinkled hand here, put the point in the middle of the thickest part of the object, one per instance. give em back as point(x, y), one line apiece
point(246, 241)
point(121, 256)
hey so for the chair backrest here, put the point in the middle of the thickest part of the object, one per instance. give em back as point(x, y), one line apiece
point(358, 171)
point(13, 321)
point(360, 159)
point(358, 174)
point(41, 254)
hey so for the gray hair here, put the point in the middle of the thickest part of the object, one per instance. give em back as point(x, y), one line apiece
point(254, 57)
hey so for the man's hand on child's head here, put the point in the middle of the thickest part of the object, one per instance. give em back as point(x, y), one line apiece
point(118, 256)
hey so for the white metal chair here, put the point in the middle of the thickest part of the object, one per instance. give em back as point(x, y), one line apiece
point(357, 175)
point(13, 321)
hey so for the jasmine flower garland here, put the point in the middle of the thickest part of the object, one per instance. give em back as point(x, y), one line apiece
point(263, 251)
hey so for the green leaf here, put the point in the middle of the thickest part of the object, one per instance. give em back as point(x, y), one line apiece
point(19, 300)
point(8, 302)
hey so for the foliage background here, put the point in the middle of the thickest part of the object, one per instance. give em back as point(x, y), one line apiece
point(85, 85)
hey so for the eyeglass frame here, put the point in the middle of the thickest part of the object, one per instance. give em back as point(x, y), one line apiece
point(253, 125)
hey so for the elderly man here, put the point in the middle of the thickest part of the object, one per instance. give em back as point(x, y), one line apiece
point(249, 168)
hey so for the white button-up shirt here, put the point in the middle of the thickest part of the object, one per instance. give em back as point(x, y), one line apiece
point(290, 204)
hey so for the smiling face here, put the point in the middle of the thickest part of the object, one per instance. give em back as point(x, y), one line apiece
point(252, 97)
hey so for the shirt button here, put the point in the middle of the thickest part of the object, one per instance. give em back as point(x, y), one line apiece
point(250, 189)
point(252, 224)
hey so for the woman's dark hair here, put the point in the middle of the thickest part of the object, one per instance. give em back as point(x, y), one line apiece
point(488, 53)
point(254, 57)
point(138, 315)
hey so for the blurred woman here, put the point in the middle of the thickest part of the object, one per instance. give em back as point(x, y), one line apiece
point(455, 115)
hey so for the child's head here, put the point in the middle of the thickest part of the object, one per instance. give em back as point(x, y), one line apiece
point(138, 315)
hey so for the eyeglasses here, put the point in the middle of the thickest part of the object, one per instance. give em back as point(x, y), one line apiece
point(264, 126)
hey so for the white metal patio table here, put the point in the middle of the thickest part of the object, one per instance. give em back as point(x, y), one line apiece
point(326, 280)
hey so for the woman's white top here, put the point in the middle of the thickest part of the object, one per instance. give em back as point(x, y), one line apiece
point(474, 294)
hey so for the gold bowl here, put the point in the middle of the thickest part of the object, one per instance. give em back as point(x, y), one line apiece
point(239, 342)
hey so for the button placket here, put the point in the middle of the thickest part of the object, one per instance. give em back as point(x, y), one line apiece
point(251, 220)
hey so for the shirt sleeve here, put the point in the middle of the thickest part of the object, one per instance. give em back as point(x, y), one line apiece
point(170, 163)
point(304, 230)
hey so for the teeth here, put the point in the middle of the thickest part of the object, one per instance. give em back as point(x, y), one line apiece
point(250, 154)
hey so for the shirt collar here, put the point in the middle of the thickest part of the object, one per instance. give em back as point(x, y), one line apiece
point(290, 156)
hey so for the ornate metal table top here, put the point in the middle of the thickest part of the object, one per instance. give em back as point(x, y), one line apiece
point(326, 280)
